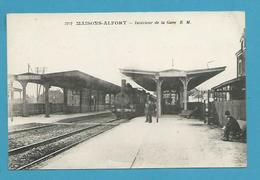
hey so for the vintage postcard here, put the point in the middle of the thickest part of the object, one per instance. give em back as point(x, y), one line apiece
point(126, 90)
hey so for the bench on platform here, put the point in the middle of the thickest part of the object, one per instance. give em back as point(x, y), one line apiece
point(186, 113)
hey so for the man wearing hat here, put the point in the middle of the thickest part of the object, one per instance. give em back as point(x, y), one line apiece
point(231, 126)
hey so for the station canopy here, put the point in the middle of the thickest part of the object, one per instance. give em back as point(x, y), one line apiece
point(171, 77)
point(69, 79)
point(236, 82)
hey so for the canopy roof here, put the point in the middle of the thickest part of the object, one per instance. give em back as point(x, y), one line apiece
point(236, 82)
point(69, 79)
point(171, 77)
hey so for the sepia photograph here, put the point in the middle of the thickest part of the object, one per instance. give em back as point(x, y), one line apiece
point(126, 90)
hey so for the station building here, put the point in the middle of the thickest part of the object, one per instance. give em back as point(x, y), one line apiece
point(234, 89)
point(81, 93)
point(231, 95)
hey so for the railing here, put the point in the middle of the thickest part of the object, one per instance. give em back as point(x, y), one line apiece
point(237, 109)
point(39, 108)
point(36, 108)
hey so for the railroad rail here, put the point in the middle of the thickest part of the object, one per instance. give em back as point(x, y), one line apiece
point(25, 148)
point(29, 129)
point(64, 121)
point(20, 150)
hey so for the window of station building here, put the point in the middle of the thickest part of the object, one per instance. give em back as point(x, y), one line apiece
point(107, 99)
point(170, 97)
point(100, 98)
point(240, 67)
point(73, 98)
point(228, 96)
point(112, 99)
point(243, 43)
point(93, 100)
point(85, 97)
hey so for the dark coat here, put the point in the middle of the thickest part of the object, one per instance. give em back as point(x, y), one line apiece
point(150, 108)
point(233, 125)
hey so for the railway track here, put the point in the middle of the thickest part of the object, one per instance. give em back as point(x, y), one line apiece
point(29, 129)
point(37, 132)
point(26, 156)
point(37, 126)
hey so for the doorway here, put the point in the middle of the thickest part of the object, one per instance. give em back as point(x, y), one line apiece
point(170, 102)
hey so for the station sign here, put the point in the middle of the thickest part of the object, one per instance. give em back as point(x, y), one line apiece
point(28, 77)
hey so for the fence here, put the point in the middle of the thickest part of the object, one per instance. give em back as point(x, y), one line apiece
point(36, 108)
point(39, 108)
point(237, 109)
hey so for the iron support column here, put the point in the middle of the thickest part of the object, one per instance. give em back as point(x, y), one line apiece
point(185, 96)
point(11, 99)
point(158, 93)
point(47, 103)
point(185, 82)
point(25, 110)
point(80, 100)
point(65, 100)
point(110, 100)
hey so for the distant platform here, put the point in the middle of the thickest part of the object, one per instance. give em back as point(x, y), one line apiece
point(19, 120)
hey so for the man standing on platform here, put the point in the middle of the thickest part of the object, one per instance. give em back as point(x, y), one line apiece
point(146, 111)
point(150, 111)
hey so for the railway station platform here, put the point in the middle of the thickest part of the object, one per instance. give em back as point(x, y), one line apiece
point(174, 142)
point(19, 120)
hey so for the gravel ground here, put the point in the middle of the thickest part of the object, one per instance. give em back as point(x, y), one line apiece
point(25, 126)
point(38, 135)
point(33, 136)
point(29, 137)
point(22, 159)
